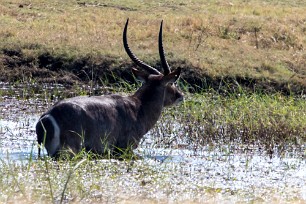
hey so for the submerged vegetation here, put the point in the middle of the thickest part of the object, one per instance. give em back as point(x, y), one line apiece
point(240, 135)
point(212, 148)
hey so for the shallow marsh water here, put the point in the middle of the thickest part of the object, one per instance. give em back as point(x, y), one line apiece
point(179, 173)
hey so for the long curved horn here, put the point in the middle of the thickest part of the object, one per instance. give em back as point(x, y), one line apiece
point(163, 60)
point(137, 61)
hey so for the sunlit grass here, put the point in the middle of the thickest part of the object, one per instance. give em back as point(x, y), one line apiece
point(258, 39)
point(216, 37)
point(143, 181)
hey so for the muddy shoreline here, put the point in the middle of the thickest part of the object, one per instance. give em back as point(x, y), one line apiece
point(108, 70)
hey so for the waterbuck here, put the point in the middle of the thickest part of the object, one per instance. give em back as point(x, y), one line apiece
point(110, 123)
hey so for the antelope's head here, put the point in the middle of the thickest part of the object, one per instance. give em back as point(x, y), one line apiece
point(153, 80)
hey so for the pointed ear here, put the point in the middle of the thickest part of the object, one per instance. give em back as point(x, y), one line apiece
point(172, 77)
point(140, 75)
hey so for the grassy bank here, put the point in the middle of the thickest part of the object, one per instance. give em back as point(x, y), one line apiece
point(247, 145)
point(259, 45)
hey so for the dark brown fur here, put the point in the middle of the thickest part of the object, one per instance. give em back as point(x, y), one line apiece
point(109, 123)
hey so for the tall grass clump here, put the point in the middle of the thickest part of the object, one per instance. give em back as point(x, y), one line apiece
point(273, 123)
point(72, 180)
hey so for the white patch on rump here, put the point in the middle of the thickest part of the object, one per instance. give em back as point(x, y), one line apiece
point(55, 143)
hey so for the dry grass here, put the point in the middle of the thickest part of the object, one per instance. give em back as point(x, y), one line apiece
point(256, 40)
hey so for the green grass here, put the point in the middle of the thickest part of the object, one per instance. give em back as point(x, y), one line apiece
point(227, 127)
point(272, 122)
point(252, 40)
point(83, 181)
point(260, 42)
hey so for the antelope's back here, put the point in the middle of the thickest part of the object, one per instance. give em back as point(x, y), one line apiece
point(89, 120)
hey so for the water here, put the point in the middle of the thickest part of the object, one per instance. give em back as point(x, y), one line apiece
point(217, 167)
point(17, 125)
point(17, 138)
